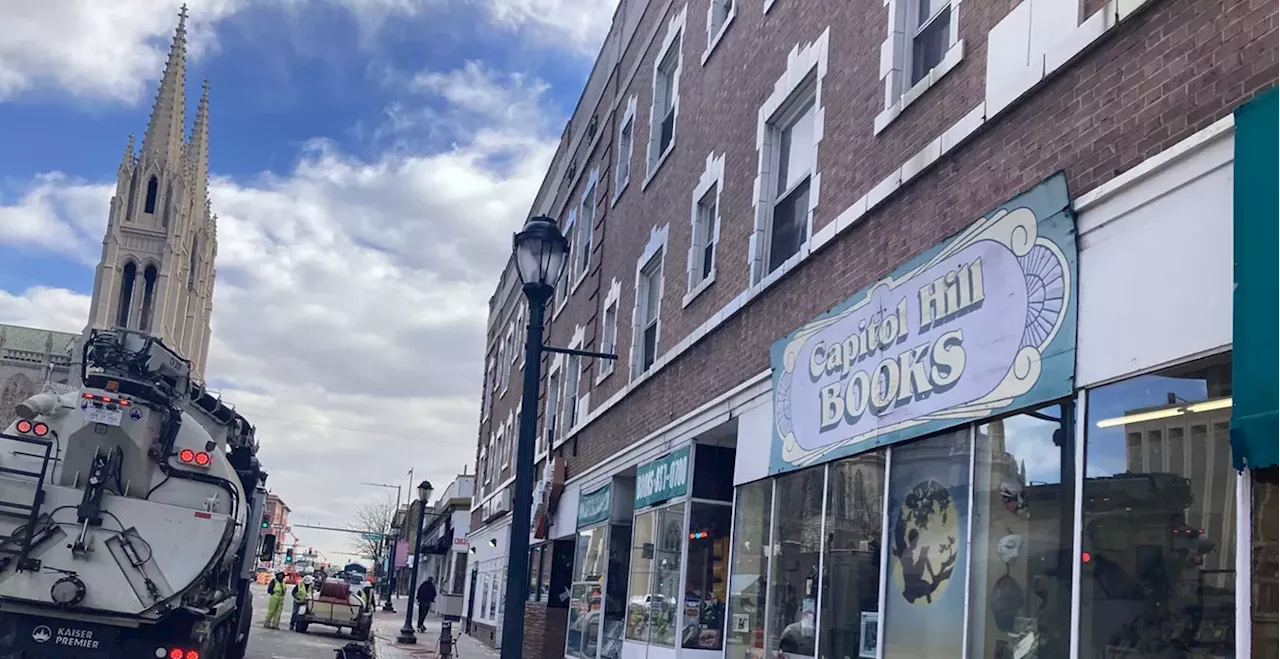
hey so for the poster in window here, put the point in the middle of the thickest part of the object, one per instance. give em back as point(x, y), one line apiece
point(928, 527)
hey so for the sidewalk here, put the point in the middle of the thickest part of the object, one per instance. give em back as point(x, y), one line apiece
point(386, 626)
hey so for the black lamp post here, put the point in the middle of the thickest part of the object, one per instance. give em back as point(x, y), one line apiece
point(540, 253)
point(406, 632)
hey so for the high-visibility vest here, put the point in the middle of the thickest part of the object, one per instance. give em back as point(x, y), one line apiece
point(277, 588)
point(300, 592)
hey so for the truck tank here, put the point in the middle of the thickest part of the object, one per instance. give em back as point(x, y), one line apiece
point(118, 498)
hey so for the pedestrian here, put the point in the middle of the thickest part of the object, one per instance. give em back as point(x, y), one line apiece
point(426, 596)
point(275, 601)
point(300, 593)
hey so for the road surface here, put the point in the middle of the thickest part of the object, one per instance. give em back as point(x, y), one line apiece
point(318, 643)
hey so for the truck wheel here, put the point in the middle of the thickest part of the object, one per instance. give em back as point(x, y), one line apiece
point(362, 632)
point(300, 627)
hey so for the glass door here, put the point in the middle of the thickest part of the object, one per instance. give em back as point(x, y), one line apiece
point(653, 594)
point(586, 594)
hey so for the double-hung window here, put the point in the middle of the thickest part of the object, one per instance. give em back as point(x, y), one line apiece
point(719, 14)
point(573, 375)
point(794, 158)
point(586, 222)
point(609, 338)
point(626, 138)
point(665, 89)
point(562, 284)
point(553, 412)
point(929, 22)
point(704, 236)
point(649, 306)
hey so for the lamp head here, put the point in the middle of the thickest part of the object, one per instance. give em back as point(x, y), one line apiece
point(424, 492)
point(540, 250)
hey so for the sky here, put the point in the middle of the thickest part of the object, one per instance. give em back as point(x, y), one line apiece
point(370, 161)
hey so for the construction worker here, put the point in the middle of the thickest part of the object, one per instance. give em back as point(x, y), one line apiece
point(300, 593)
point(275, 601)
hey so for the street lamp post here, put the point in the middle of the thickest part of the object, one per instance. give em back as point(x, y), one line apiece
point(406, 632)
point(540, 252)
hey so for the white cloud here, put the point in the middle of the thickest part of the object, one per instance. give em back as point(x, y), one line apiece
point(352, 296)
point(97, 49)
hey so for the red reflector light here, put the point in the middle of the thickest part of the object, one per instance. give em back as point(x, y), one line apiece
point(186, 455)
point(24, 426)
point(192, 654)
point(40, 429)
point(1085, 557)
point(175, 653)
point(203, 459)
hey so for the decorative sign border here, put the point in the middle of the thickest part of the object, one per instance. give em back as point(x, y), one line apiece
point(981, 324)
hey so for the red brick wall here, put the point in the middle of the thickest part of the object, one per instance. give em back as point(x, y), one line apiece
point(544, 630)
point(1159, 77)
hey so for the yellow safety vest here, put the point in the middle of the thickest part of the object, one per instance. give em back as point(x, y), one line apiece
point(277, 589)
point(301, 594)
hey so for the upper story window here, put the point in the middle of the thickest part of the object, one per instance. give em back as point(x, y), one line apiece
point(793, 158)
point(930, 24)
point(648, 310)
point(626, 146)
point(573, 377)
point(609, 338)
point(503, 365)
point(586, 223)
point(553, 411)
point(719, 15)
point(153, 189)
point(487, 396)
point(562, 284)
point(704, 235)
point(666, 94)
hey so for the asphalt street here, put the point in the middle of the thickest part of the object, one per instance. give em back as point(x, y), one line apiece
point(317, 643)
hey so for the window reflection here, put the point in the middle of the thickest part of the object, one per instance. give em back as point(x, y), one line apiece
point(1266, 545)
point(793, 587)
point(706, 576)
point(638, 596)
point(586, 594)
point(1158, 577)
point(666, 575)
point(1023, 516)
point(747, 578)
point(851, 569)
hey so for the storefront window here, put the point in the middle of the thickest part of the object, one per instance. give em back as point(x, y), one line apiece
point(535, 573)
point(638, 594)
point(851, 569)
point(793, 588)
point(928, 511)
point(1159, 519)
point(1023, 516)
point(666, 575)
point(615, 609)
point(1266, 545)
point(706, 576)
point(586, 594)
point(747, 581)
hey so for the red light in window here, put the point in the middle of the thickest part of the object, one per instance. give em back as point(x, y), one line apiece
point(202, 459)
point(40, 429)
point(24, 426)
point(1085, 557)
point(187, 455)
point(175, 653)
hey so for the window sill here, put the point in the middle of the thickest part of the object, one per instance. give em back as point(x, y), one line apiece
point(699, 288)
point(949, 61)
point(657, 165)
point(617, 191)
point(768, 4)
point(560, 305)
point(604, 374)
point(573, 288)
point(715, 40)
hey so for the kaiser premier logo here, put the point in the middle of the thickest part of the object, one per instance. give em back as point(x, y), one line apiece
point(68, 636)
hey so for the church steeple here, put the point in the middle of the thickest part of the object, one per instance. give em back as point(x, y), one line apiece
point(198, 147)
point(126, 162)
point(163, 139)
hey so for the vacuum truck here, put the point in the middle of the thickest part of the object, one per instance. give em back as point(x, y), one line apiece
point(123, 510)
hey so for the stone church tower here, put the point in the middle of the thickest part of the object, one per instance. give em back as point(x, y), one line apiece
point(156, 274)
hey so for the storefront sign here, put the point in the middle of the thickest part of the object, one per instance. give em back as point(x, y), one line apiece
point(663, 479)
point(594, 507)
point(981, 324)
point(461, 544)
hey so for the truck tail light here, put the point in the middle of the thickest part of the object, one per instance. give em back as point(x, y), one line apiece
point(175, 653)
point(40, 429)
point(192, 654)
point(188, 456)
point(24, 426)
point(203, 460)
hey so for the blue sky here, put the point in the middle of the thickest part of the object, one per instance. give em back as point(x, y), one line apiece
point(370, 160)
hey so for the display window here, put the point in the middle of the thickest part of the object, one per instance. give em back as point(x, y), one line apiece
point(1264, 596)
point(586, 593)
point(706, 578)
point(854, 521)
point(749, 570)
point(1159, 519)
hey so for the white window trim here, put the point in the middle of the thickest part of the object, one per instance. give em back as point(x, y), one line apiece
point(895, 61)
point(570, 226)
point(505, 460)
point(487, 398)
point(768, 4)
point(562, 365)
point(520, 323)
point(592, 187)
point(803, 63)
point(504, 363)
point(611, 299)
point(713, 40)
point(557, 365)
point(673, 38)
point(712, 177)
point(628, 117)
point(657, 245)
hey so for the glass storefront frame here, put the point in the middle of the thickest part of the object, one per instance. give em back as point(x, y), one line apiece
point(1077, 471)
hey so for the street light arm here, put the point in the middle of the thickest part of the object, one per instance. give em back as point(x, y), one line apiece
point(579, 353)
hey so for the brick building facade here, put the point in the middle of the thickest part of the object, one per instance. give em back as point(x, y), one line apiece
point(707, 129)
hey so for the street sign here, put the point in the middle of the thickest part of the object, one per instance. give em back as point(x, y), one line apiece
point(371, 536)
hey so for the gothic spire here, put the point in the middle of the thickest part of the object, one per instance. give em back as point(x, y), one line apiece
point(126, 162)
point(198, 147)
point(163, 139)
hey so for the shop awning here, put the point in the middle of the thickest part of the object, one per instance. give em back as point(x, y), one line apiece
point(1256, 332)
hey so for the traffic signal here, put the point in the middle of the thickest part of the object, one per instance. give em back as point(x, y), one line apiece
point(266, 523)
point(288, 555)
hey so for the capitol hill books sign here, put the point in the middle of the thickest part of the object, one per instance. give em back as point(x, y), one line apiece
point(979, 325)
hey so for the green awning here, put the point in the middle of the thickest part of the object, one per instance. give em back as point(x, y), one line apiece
point(1256, 332)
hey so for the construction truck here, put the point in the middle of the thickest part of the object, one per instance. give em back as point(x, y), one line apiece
point(123, 510)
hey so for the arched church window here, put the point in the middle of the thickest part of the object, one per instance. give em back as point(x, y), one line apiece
point(153, 187)
point(126, 294)
point(148, 297)
point(194, 267)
